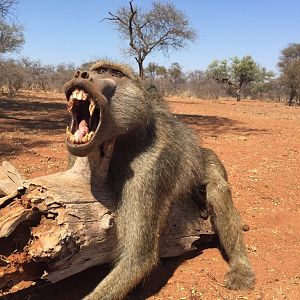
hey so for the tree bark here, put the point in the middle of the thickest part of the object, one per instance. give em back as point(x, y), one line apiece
point(54, 226)
point(238, 92)
point(291, 96)
point(140, 62)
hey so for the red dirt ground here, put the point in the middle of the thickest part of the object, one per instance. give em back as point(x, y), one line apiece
point(259, 142)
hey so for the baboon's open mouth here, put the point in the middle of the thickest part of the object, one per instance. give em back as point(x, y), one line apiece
point(86, 116)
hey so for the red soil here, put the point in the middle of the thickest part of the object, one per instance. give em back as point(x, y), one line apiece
point(259, 142)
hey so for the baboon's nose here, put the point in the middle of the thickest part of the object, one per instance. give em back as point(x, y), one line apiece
point(107, 87)
point(83, 75)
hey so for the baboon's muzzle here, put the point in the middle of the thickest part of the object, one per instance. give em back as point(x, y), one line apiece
point(86, 105)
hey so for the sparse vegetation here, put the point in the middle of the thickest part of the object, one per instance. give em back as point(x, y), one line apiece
point(32, 75)
point(212, 83)
point(243, 78)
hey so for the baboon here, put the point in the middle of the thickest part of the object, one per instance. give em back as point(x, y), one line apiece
point(155, 162)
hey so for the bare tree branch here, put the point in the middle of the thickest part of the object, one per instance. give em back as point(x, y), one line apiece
point(115, 18)
point(133, 13)
point(163, 27)
point(7, 9)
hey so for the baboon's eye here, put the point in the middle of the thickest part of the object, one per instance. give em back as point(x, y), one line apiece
point(101, 70)
point(117, 73)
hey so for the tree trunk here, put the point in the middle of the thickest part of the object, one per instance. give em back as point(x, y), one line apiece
point(54, 226)
point(140, 62)
point(238, 92)
point(291, 97)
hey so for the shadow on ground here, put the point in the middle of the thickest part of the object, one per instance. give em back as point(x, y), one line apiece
point(23, 119)
point(28, 115)
point(46, 115)
point(15, 146)
point(217, 125)
point(79, 285)
point(27, 124)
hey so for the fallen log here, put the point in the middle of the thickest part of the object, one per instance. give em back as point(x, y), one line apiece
point(55, 226)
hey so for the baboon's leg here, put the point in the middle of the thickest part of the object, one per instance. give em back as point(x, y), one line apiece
point(138, 226)
point(127, 273)
point(228, 225)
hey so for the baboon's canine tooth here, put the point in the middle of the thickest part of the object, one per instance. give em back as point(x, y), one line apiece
point(68, 132)
point(92, 107)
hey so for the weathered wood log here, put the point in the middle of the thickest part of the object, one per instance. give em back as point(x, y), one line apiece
point(54, 226)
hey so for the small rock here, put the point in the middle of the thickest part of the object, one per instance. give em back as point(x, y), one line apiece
point(252, 248)
point(245, 227)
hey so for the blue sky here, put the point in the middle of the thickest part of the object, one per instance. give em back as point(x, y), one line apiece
point(59, 31)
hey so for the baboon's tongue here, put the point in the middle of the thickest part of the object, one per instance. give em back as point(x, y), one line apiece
point(82, 130)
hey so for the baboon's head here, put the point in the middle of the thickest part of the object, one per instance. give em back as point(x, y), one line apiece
point(104, 102)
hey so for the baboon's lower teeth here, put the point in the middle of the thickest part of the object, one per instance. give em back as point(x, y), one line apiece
point(90, 135)
point(85, 138)
point(77, 140)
